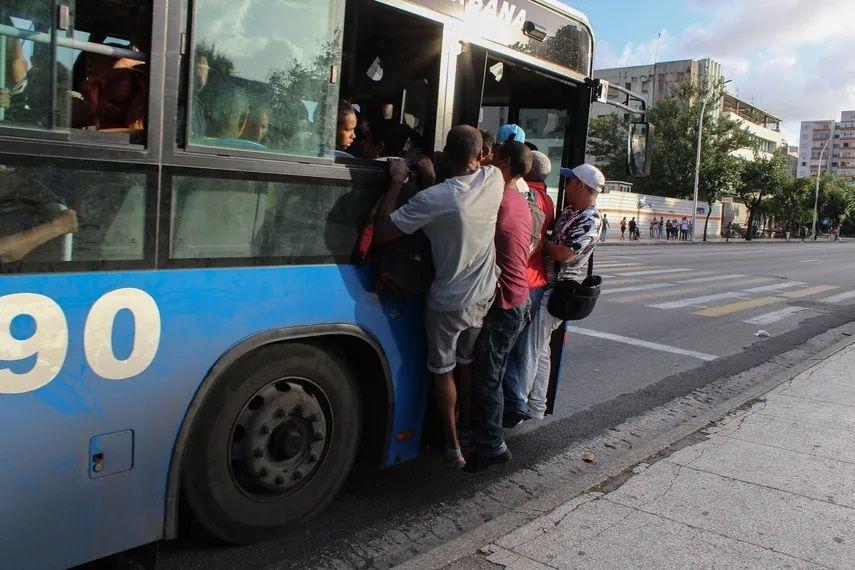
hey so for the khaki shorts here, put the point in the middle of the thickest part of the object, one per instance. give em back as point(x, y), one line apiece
point(451, 335)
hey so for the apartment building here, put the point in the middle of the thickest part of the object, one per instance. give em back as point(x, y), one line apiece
point(654, 82)
point(763, 126)
point(839, 155)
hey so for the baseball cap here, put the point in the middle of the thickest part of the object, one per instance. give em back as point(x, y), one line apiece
point(588, 174)
point(540, 167)
point(505, 132)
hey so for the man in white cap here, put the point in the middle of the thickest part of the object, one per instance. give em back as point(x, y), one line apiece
point(574, 237)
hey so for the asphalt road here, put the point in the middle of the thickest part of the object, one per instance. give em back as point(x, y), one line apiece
point(670, 319)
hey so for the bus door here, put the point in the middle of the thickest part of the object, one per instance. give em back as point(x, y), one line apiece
point(492, 90)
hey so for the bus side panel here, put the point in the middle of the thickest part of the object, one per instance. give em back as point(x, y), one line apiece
point(55, 510)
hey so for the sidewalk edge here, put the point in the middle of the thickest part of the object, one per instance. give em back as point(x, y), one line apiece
point(471, 542)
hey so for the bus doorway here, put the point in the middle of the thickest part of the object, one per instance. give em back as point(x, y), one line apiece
point(493, 91)
point(390, 72)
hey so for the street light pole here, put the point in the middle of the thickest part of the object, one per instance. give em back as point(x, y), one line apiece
point(698, 166)
point(816, 194)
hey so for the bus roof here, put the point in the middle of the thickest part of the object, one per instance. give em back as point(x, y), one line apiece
point(566, 10)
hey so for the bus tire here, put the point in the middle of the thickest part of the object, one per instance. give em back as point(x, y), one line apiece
point(273, 442)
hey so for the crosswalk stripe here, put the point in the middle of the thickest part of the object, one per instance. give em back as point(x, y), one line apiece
point(775, 287)
point(774, 316)
point(681, 291)
point(617, 263)
point(808, 292)
point(736, 307)
point(636, 288)
point(713, 278)
point(645, 278)
point(642, 343)
point(655, 272)
point(696, 300)
point(838, 298)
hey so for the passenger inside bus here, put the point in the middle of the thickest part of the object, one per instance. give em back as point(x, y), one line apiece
point(390, 69)
point(100, 84)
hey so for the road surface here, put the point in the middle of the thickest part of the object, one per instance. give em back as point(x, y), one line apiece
point(670, 319)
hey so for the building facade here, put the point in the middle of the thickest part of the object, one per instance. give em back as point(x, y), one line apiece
point(763, 126)
point(838, 138)
point(654, 82)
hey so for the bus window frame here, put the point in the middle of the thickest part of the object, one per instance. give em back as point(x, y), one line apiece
point(64, 144)
point(150, 220)
point(166, 261)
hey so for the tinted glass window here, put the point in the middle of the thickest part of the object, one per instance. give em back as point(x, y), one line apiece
point(262, 73)
point(30, 96)
point(54, 215)
point(537, 103)
point(100, 85)
point(297, 221)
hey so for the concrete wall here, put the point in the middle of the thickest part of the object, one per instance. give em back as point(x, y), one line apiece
point(619, 204)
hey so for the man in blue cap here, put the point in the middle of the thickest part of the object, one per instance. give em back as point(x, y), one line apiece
point(510, 133)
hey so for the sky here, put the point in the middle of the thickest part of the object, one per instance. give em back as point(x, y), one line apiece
point(794, 58)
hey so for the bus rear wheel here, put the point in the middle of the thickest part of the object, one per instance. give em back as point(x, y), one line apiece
point(273, 442)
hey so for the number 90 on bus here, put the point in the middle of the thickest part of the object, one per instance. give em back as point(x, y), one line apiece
point(34, 338)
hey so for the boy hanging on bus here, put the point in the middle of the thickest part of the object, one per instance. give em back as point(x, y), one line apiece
point(459, 217)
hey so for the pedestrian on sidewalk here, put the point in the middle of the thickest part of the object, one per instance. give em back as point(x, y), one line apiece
point(684, 229)
point(652, 227)
point(623, 229)
point(660, 226)
point(606, 225)
point(522, 363)
point(633, 229)
point(508, 314)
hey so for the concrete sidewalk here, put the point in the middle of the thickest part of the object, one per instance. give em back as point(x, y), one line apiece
point(769, 485)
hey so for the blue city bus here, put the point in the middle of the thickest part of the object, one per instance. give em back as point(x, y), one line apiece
point(182, 318)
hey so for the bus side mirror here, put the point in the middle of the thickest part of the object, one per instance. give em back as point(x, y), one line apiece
point(640, 149)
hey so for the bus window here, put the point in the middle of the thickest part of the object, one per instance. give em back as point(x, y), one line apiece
point(538, 103)
point(390, 72)
point(51, 214)
point(262, 75)
point(96, 79)
point(300, 222)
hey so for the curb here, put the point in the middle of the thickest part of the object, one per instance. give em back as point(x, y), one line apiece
point(471, 542)
point(734, 242)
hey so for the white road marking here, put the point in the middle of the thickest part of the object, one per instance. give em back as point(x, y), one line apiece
point(697, 300)
point(713, 278)
point(775, 287)
point(642, 343)
point(808, 260)
point(654, 272)
point(637, 288)
point(839, 297)
point(774, 316)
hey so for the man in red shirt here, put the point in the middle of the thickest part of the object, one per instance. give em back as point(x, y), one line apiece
point(509, 313)
point(523, 361)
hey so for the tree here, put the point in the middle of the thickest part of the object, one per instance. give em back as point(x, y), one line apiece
point(764, 177)
point(836, 199)
point(793, 203)
point(607, 142)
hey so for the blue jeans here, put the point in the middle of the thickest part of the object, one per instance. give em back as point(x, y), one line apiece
point(498, 336)
point(522, 362)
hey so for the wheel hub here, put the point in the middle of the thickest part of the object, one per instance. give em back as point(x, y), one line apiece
point(278, 439)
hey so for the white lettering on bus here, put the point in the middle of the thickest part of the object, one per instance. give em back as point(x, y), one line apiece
point(98, 333)
point(505, 13)
point(49, 341)
point(48, 344)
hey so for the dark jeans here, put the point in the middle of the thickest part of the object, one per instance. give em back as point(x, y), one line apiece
point(497, 339)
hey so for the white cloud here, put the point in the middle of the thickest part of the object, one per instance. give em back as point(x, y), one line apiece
point(793, 58)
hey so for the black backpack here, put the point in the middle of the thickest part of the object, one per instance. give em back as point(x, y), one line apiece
point(404, 267)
